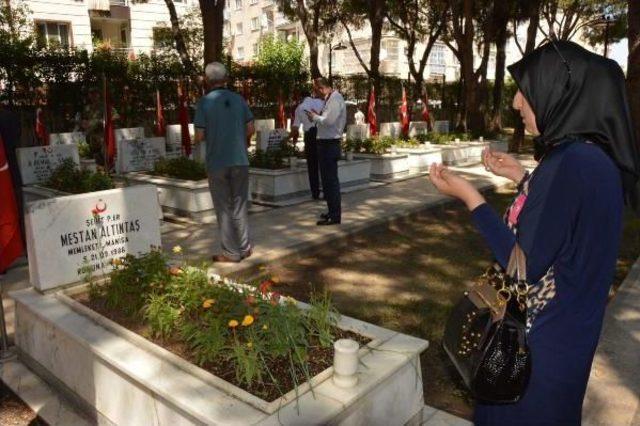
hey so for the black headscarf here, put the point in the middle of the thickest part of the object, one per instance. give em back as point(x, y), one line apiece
point(576, 93)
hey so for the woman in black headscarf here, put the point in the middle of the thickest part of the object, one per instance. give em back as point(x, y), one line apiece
point(567, 218)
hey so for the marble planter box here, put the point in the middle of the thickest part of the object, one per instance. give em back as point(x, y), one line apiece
point(502, 146)
point(186, 198)
point(119, 377)
point(36, 193)
point(286, 184)
point(420, 159)
point(386, 166)
point(475, 151)
point(456, 154)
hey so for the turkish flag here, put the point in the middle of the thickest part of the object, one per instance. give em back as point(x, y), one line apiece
point(282, 117)
point(425, 110)
point(160, 123)
point(183, 116)
point(404, 114)
point(109, 129)
point(41, 128)
point(371, 113)
point(11, 244)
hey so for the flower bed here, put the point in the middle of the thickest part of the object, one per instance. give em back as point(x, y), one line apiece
point(67, 179)
point(183, 188)
point(117, 375)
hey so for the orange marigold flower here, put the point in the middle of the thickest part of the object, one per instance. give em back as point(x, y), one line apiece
point(233, 323)
point(275, 298)
point(247, 321)
point(175, 271)
point(208, 303)
point(265, 286)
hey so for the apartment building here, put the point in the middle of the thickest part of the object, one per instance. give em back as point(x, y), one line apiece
point(84, 23)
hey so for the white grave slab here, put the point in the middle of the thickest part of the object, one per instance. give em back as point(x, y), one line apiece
point(67, 138)
point(174, 139)
point(441, 126)
point(391, 129)
point(265, 125)
point(38, 163)
point(357, 132)
point(139, 154)
point(65, 239)
point(129, 133)
point(418, 128)
point(271, 140)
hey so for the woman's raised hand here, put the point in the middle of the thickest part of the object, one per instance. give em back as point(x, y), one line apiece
point(449, 183)
point(502, 164)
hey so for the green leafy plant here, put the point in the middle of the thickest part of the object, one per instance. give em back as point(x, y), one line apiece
point(69, 178)
point(179, 168)
point(250, 328)
point(272, 159)
point(84, 149)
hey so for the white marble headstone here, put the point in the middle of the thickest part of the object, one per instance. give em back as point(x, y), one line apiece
point(418, 128)
point(264, 125)
point(67, 138)
point(139, 154)
point(441, 126)
point(357, 132)
point(391, 129)
point(37, 163)
point(174, 139)
point(70, 236)
point(272, 139)
point(129, 133)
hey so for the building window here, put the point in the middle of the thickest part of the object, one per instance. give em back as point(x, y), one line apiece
point(240, 54)
point(269, 20)
point(162, 37)
point(391, 47)
point(255, 50)
point(239, 28)
point(227, 29)
point(238, 4)
point(436, 61)
point(53, 34)
point(255, 24)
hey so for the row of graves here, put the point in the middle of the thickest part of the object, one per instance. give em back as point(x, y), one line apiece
point(93, 254)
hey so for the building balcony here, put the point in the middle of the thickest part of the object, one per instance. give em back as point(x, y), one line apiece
point(105, 5)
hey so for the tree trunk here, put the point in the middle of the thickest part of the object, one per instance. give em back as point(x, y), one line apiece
point(532, 32)
point(312, 40)
point(633, 64)
point(212, 26)
point(500, 21)
point(376, 19)
point(181, 46)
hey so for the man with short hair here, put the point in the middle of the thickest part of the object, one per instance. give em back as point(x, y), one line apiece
point(330, 123)
point(223, 119)
point(309, 103)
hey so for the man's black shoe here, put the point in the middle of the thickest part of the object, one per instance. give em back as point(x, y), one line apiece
point(324, 215)
point(328, 221)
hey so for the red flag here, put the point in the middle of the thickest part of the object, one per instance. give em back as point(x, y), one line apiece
point(160, 123)
point(11, 244)
point(371, 113)
point(109, 130)
point(425, 110)
point(282, 117)
point(41, 128)
point(183, 116)
point(404, 114)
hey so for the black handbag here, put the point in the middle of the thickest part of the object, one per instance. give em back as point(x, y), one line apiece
point(486, 337)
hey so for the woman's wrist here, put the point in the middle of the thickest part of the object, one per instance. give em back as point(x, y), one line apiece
point(519, 175)
point(474, 200)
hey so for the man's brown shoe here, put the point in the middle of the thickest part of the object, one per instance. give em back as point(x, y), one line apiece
point(221, 258)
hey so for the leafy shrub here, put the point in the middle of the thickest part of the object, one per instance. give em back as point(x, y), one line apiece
point(221, 324)
point(407, 143)
point(273, 158)
point(179, 168)
point(69, 178)
point(84, 149)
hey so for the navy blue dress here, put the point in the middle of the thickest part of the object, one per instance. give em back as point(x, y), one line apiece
point(570, 230)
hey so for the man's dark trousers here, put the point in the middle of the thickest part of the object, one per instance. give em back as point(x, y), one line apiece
point(328, 155)
point(311, 154)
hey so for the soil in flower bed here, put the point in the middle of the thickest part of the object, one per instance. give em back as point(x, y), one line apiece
point(319, 358)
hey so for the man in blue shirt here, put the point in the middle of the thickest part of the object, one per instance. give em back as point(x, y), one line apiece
point(225, 122)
